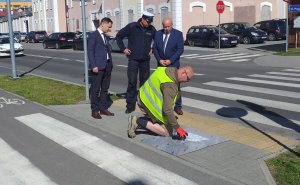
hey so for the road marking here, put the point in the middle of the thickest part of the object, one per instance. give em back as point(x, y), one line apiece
point(16, 169)
point(239, 57)
point(230, 96)
point(292, 70)
point(240, 60)
point(276, 92)
point(189, 55)
point(265, 82)
point(79, 60)
point(152, 69)
point(279, 122)
point(275, 77)
point(286, 74)
point(216, 54)
point(120, 163)
point(223, 56)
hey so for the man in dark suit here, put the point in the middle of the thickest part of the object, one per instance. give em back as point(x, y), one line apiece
point(100, 63)
point(168, 47)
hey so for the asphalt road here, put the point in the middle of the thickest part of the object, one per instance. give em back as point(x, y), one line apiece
point(229, 78)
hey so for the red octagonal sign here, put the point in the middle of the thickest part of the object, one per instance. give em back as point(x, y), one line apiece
point(220, 6)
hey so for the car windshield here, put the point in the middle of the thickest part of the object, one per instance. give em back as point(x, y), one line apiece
point(4, 40)
point(249, 26)
point(216, 30)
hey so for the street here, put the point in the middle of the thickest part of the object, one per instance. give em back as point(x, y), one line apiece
point(229, 86)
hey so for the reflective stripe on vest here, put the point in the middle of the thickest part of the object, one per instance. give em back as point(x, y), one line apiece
point(151, 95)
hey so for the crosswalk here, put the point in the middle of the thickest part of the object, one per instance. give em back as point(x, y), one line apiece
point(232, 57)
point(268, 98)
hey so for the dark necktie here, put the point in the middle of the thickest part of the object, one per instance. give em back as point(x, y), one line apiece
point(107, 48)
point(104, 39)
point(165, 41)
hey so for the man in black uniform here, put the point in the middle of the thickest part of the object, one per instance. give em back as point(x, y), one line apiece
point(140, 35)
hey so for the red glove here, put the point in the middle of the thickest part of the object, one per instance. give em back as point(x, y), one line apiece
point(181, 133)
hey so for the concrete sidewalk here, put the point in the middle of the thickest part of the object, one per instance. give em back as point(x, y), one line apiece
point(239, 160)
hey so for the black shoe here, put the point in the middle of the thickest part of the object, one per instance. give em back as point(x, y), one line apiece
point(128, 111)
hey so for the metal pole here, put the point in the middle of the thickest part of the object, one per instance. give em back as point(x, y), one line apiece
point(287, 28)
point(11, 36)
point(86, 77)
point(219, 34)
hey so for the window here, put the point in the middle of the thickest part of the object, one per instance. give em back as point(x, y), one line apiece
point(108, 14)
point(164, 13)
point(150, 10)
point(94, 1)
point(118, 20)
point(77, 24)
point(130, 15)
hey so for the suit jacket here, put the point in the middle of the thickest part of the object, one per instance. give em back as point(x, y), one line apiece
point(174, 47)
point(97, 51)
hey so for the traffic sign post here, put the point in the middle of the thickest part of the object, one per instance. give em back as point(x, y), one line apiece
point(220, 9)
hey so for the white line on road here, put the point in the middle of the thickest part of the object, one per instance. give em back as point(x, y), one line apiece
point(120, 163)
point(247, 56)
point(276, 92)
point(189, 55)
point(292, 70)
point(265, 82)
point(275, 77)
point(269, 119)
point(216, 54)
point(285, 74)
point(230, 96)
point(240, 60)
point(223, 56)
point(15, 169)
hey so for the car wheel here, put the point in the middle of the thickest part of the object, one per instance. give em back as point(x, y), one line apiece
point(45, 46)
point(246, 40)
point(191, 43)
point(216, 44)
point(271, 37)
point(57, 46)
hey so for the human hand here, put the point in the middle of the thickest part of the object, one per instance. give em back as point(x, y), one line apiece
point(127, 51)
point(162, 63)
point(95, 70)
point(167, 62)
point(181, 133)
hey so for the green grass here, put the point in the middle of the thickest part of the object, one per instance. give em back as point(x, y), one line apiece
point(285, 168)
point(44, 91)
point(291, 52)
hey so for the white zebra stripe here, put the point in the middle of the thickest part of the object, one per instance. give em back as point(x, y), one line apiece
point(292, 70)
point(250, 116)
point(120, 163)
point(286, 74)
point(214, 57)
point(275, 77)
point(216, 54)
point(265, 82)
point(276, 92)
point(15, 169)
point(240, 60)
point(248, 56)
point(230, 96)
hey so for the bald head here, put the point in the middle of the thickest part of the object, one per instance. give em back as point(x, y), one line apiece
point(185, 73)
point(167, 24)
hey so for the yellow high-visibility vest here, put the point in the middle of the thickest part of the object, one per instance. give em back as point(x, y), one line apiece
point(151, 95)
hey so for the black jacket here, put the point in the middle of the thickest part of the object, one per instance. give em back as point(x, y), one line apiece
point(139, 40)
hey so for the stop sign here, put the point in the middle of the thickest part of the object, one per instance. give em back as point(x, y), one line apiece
point(220, 6)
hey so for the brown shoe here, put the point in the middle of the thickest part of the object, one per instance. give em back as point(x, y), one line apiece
point(106, 112)
point(96, 115)
point(178, 111)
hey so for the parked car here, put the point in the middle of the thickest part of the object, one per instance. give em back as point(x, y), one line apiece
point(59, 40)
point(17, 36)
point(114, 46)
point(36, 36)
point(247, 33)
point(5, 47)
point(276, 28)
point(23, 36)
point(208, 35)
point(78, 41)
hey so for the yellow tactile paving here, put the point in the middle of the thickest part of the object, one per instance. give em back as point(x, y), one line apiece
point(244, 135)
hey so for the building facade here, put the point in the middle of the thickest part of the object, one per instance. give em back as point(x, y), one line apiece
point(65, 15)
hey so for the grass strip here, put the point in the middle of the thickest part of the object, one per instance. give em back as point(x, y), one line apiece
point(43, 90)
point(291, 52)
point(285, 168)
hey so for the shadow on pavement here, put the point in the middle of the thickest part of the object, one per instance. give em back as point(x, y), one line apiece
point(268, 48)
point(234, 112)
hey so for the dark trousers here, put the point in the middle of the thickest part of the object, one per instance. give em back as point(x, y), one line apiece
point(99, 88)
point(135, 67)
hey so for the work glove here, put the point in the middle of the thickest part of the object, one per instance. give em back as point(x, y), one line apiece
point(181, 133)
